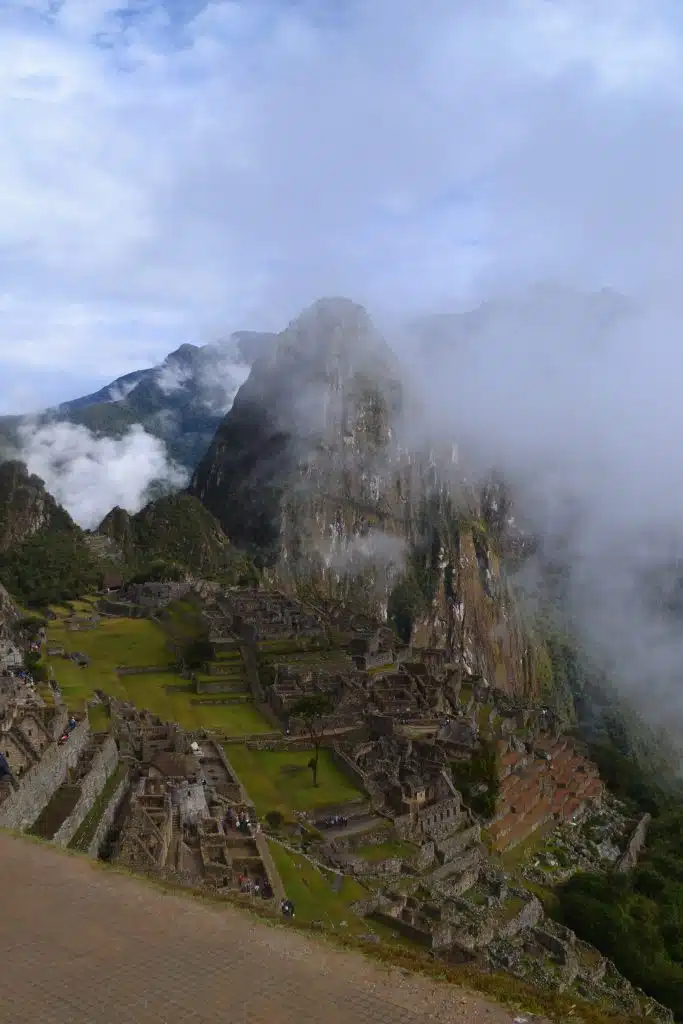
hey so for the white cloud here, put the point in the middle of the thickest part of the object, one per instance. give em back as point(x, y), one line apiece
point(89, 475)
point(161, 171)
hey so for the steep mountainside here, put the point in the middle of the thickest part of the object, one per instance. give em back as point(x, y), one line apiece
point(311, 472)
point(181, 401)
point(43, 554)
point(176, 528)
point(26, 508)
point(9, 617)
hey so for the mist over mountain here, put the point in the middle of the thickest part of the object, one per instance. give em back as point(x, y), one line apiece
point(571, 397)
point(141, 434)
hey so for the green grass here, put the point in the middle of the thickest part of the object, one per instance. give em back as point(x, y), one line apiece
point(311, 892)
point(375, 852)
point(140, 642)
point(381, 668)
point(98, 716)
point(149, 691)
point(84, 605)
point(273, 789)
point(60, 610)
point(126, 642)
point(85, 833)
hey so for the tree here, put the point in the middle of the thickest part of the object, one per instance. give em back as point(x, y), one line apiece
point(313, 711)
point(198, 652)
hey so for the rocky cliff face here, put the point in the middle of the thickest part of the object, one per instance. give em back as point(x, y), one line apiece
point(312, 471)
point(26, 508)
point(9, 617)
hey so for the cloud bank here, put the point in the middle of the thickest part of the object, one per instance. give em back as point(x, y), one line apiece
point(89, 475)
point(172, 170)
point(576, 399)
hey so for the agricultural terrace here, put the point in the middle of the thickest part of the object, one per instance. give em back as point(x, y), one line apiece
point(141, 643)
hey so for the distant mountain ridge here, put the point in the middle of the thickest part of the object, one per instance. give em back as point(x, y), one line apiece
point(181, 401)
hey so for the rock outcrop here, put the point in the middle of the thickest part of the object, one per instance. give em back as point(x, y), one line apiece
point(311, 472)
point(26, 507)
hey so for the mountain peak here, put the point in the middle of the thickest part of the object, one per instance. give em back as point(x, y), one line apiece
point(184, 354)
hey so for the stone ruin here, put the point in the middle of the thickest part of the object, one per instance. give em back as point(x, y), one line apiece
point(27, 729)
point(180, 819)
point(143, 599)
point(550, 781)
point(58, 770)
point(256, 615)
point(440, 888)
point(292, 682)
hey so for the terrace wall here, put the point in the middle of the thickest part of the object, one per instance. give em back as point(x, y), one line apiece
point(104, 763)
point(24, 805)
point(107, 819)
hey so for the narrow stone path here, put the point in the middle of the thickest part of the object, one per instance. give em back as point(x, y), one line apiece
point(84, 945)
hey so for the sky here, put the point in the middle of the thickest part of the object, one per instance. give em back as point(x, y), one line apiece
point(172, 170)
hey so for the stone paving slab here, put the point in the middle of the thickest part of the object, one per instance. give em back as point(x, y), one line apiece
point(84, 945)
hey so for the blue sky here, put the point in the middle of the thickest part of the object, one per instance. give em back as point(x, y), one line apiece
point(172, 171)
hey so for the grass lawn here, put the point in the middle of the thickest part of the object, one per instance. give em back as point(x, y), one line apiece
point(311, 892)
point(99, 718)
point(60, 610)
point(374, 852)
point(140, 642)
point(115, 642)
point(274, 789)
point(149, 691)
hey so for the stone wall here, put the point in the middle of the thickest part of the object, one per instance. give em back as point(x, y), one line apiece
point(104, 763)
point(629, 858)
point(347, 767)
point(107, 819)
point(221, 684)
point(23, 806)
point(237, 698)
point(141, 670)
point(529, 916)
point(290, 743)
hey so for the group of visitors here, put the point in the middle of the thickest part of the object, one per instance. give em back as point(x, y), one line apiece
point(335, 821)
point(239, 819)
point(69, 729)
point(287, 908)
point(256, 887)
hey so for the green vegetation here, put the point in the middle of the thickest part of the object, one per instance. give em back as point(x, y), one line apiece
point(312, 894)
point(86, 832)
point(438, 526)
point(280, 780)
point(139, 643)
point(313, 711)
point(478, 771)
point(51, 566)
point(636, 919)
point(185, 625)
point(98, 716)
point(174, 530)
point(375, 852)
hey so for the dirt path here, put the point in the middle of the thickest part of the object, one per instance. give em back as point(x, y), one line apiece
point(85, 945)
